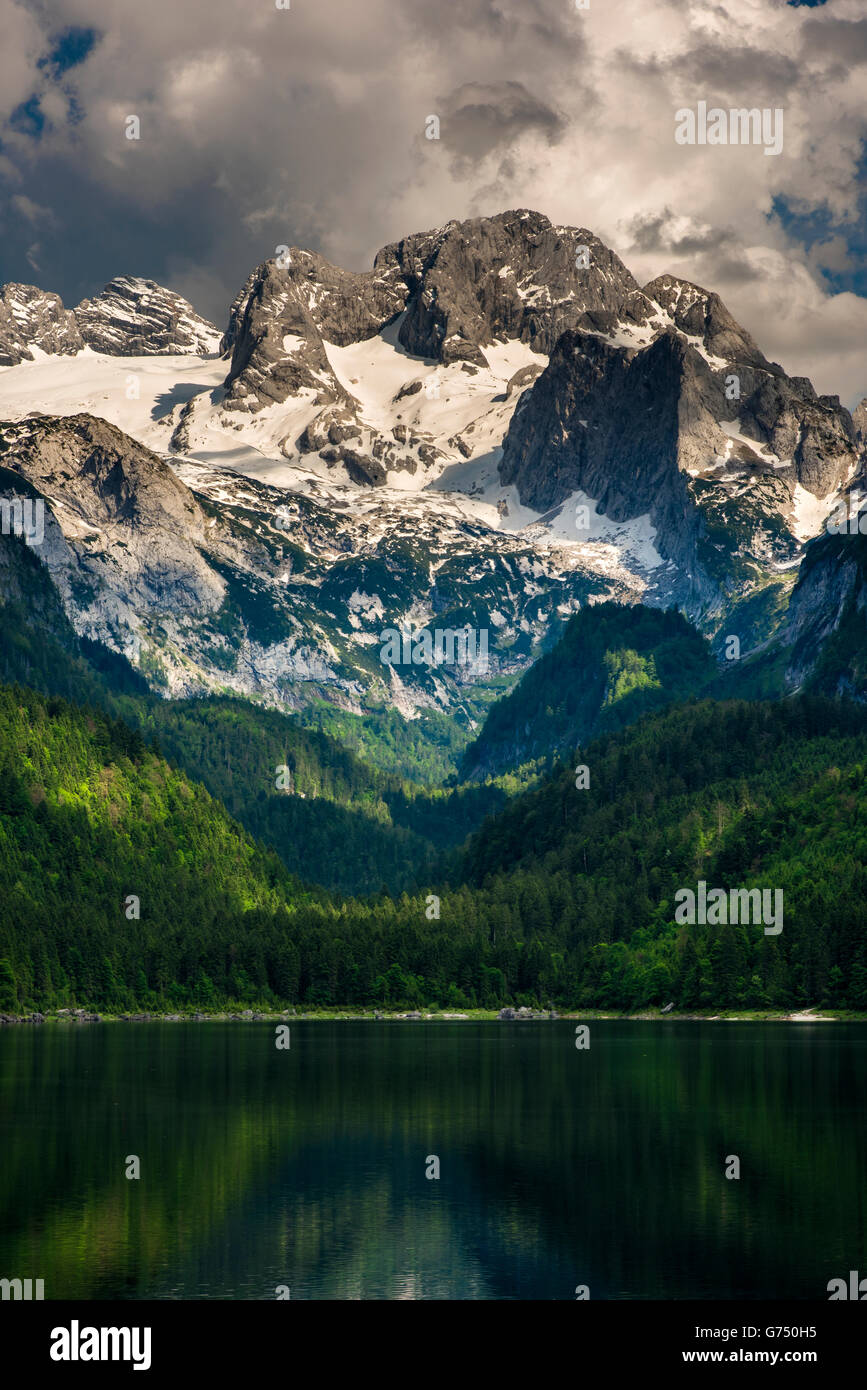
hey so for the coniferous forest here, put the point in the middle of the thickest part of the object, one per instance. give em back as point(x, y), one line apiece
point(128, 886)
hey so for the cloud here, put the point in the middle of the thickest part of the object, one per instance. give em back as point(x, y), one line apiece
point(30, 211)
point(845, 40)
point(483, 117)
point(306, 126)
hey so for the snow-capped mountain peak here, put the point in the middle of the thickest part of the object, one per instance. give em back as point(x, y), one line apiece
point(494, 425)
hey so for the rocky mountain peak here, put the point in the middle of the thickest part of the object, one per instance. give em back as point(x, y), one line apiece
point(139, 318)
point(701, 314)
point(286, 311)
point(31, 318)
point(515, 275)
point(448, 295)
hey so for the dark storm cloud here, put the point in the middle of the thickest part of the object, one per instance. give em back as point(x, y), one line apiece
point(660, 233)
point(719, 69)
point(482, 117)
point(836, 38)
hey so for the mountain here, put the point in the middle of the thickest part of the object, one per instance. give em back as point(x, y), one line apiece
point(138, 318)
point(820, 645)
point(611, 665)
point(30, 319)
point(493, 427)
point(89, 820)
point(643, 425)
point(260, 592)
point(767, 795)
point(131, 317)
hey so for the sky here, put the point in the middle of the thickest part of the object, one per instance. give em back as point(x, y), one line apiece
point(263, 126)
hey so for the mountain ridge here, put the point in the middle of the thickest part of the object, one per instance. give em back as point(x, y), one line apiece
point(492, 427)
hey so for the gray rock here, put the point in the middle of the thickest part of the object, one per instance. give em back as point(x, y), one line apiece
point(34, 318)
point(139, 318)
point(510, 276)
point(640, 430)
point(127, 553)
point(699, 313)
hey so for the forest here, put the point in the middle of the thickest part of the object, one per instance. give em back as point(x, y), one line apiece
point(562, 898)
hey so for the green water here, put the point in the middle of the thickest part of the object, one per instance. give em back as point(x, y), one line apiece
point(305, 1168)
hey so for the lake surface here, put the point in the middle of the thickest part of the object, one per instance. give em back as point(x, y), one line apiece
point(306, 1168)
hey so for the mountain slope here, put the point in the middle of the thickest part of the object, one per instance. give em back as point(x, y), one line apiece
point(611, 665)
point(228, 585)
point(332, 818)
point(735, 794)
point(90, 819)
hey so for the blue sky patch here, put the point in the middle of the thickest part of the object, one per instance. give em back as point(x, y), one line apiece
point(818, 225)
point(70, 48)
point(27, 119)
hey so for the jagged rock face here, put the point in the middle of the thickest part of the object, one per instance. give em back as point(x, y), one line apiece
point(343, 306)
point(230, 585)
point(278, 327)
point(33, 318)
point(465, 285)
point(607, 422)
point(814, 432)
point(122, 533)
point(821, 644)
point(517, 276)
point(701, 314)
point(654, 429)
point(278, 321)
point(139, 318)
point(511, 276)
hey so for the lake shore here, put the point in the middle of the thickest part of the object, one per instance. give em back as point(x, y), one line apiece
point(82, 1016)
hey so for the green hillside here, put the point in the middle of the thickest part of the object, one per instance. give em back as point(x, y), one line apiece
point(90, 818)
point(611, 665)
point(566, 896)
